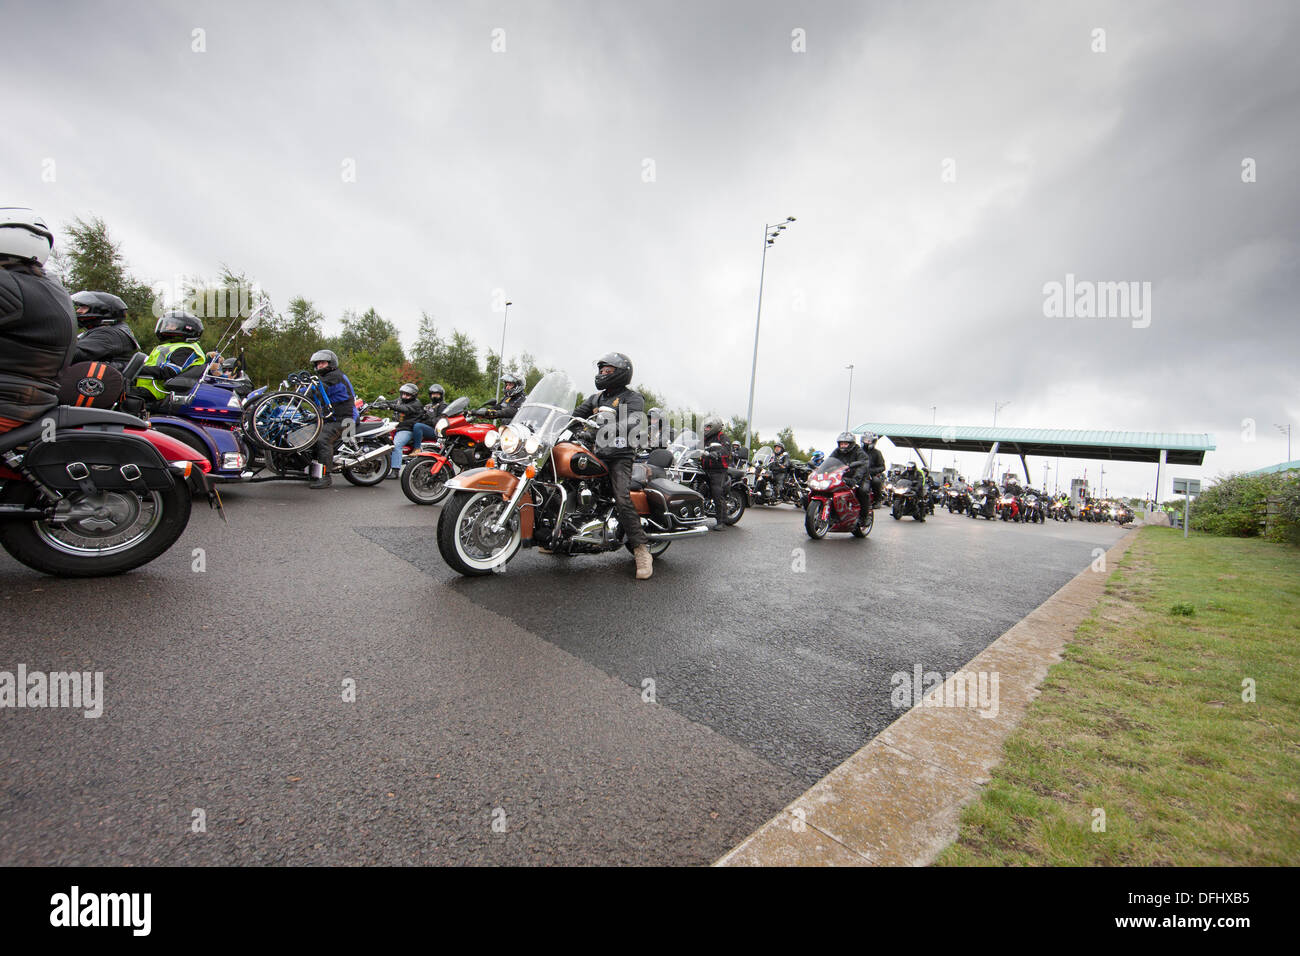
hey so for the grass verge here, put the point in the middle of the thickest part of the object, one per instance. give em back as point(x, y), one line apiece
point(1144, 721)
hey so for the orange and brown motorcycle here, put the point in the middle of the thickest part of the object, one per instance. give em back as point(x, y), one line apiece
point(545, 487)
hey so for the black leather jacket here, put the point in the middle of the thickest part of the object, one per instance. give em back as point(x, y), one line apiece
point(506, 408)
point(114, 344)
point(408, 413)
point(38, 327)
point(628, 429)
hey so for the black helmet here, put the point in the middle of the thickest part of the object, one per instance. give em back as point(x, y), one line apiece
point(178, 326)
point(712, 425)
point(511, 383)
point(436, 389)
point(620, 377)
point(324, 355)
point(408, 388)
point(778, 446)
point(845, 441)
point(98, 308)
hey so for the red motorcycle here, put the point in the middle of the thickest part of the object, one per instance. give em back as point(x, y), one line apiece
point(832, 504)
point(461, 444)
point(90, 491)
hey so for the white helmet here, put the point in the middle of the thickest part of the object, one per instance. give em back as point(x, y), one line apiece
point(24, 235)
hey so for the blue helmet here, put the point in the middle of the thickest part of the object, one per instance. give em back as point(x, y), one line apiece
point(816, 459)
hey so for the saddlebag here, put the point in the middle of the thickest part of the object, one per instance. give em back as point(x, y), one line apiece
point(669, 498)
point(108, 461)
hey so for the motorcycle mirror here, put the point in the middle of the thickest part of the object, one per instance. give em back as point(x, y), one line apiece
point(381, 399)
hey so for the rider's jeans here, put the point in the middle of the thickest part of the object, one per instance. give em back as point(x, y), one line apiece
point(399, 439)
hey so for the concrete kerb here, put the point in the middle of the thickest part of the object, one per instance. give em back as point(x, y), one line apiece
point(897, 801)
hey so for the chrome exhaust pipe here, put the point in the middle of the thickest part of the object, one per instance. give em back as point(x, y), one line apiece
point(675, 535)
point(350, 462)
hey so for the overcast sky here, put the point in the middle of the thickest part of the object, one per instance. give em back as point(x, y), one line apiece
point(612, 169)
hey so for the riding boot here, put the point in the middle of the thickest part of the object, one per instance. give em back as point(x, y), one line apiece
point(644, 562)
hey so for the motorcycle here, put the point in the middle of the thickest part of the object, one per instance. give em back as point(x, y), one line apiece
point(1009, 507)
point(544, 486)
point(286, 423)
point(957, 500)
point(833, 506)
point(906, 500)
point(687, 469)
point(984, 502)
point(461, 444)
point(1061, 511)
point(86, 492)
point(1033, 511)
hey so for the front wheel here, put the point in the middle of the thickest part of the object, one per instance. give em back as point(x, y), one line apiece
point(465, 537)
point(421, 484)
point(897, 511)
point(813, 522)
point(112, 531)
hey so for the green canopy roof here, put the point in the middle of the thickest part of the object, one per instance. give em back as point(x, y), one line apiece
point(1181, 448)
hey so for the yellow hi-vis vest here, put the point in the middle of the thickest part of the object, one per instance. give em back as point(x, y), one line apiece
point(179, 355)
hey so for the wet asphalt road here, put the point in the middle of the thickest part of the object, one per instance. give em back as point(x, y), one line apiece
point(497, 720)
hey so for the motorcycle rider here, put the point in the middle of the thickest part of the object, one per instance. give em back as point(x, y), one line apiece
point(423, 430)
point(38, 324)
point(738, 453)
point(779, 464)
point(715, 467)
point(917, 477)
point(341, 413)
point(850, 453)
point(105, 336)
point(660, 433)
point(875, 464)
point(616, 444)
point(409, 410)
point(177, 351)
point(816, 458)
point(512, 399)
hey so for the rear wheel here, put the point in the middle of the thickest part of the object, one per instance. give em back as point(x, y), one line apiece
point(813, 523)
point(421, 484)
point(115, 531)
point(368, 473)
point(655, 548)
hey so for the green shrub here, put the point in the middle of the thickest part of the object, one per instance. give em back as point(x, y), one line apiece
point(1235, 506)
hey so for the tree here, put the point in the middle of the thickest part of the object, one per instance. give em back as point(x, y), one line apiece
point(786, 437)
point(458, 367)
point(369, 332)
point(92, 262)
point(428, 348)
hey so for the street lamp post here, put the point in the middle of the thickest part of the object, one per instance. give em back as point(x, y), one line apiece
point(1286, 430)
point(848, 412)
point(768, 239)
point(501, 358)
point(997, 462)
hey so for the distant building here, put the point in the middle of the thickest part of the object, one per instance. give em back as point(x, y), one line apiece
point(1274, 469)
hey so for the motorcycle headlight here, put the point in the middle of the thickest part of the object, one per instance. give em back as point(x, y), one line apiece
point(509, 439)
point(531, 444)
point(491, 438)
point(441, 426)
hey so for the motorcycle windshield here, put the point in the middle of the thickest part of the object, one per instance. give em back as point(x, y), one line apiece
point(548, 409)
point(456, 408)
point(686, 441)
point(764, 455)
point(827, 468)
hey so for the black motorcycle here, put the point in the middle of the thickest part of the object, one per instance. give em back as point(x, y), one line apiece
point(688, 469)
point(907, 500)
point(984, 502)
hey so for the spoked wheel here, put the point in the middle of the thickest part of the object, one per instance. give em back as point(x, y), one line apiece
point(284, 421)
point(735, 506)
point(868, 522)
point(813, 522)
point(368, 473)
point(465, 537)
point(92, 535)
point(421, 484)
